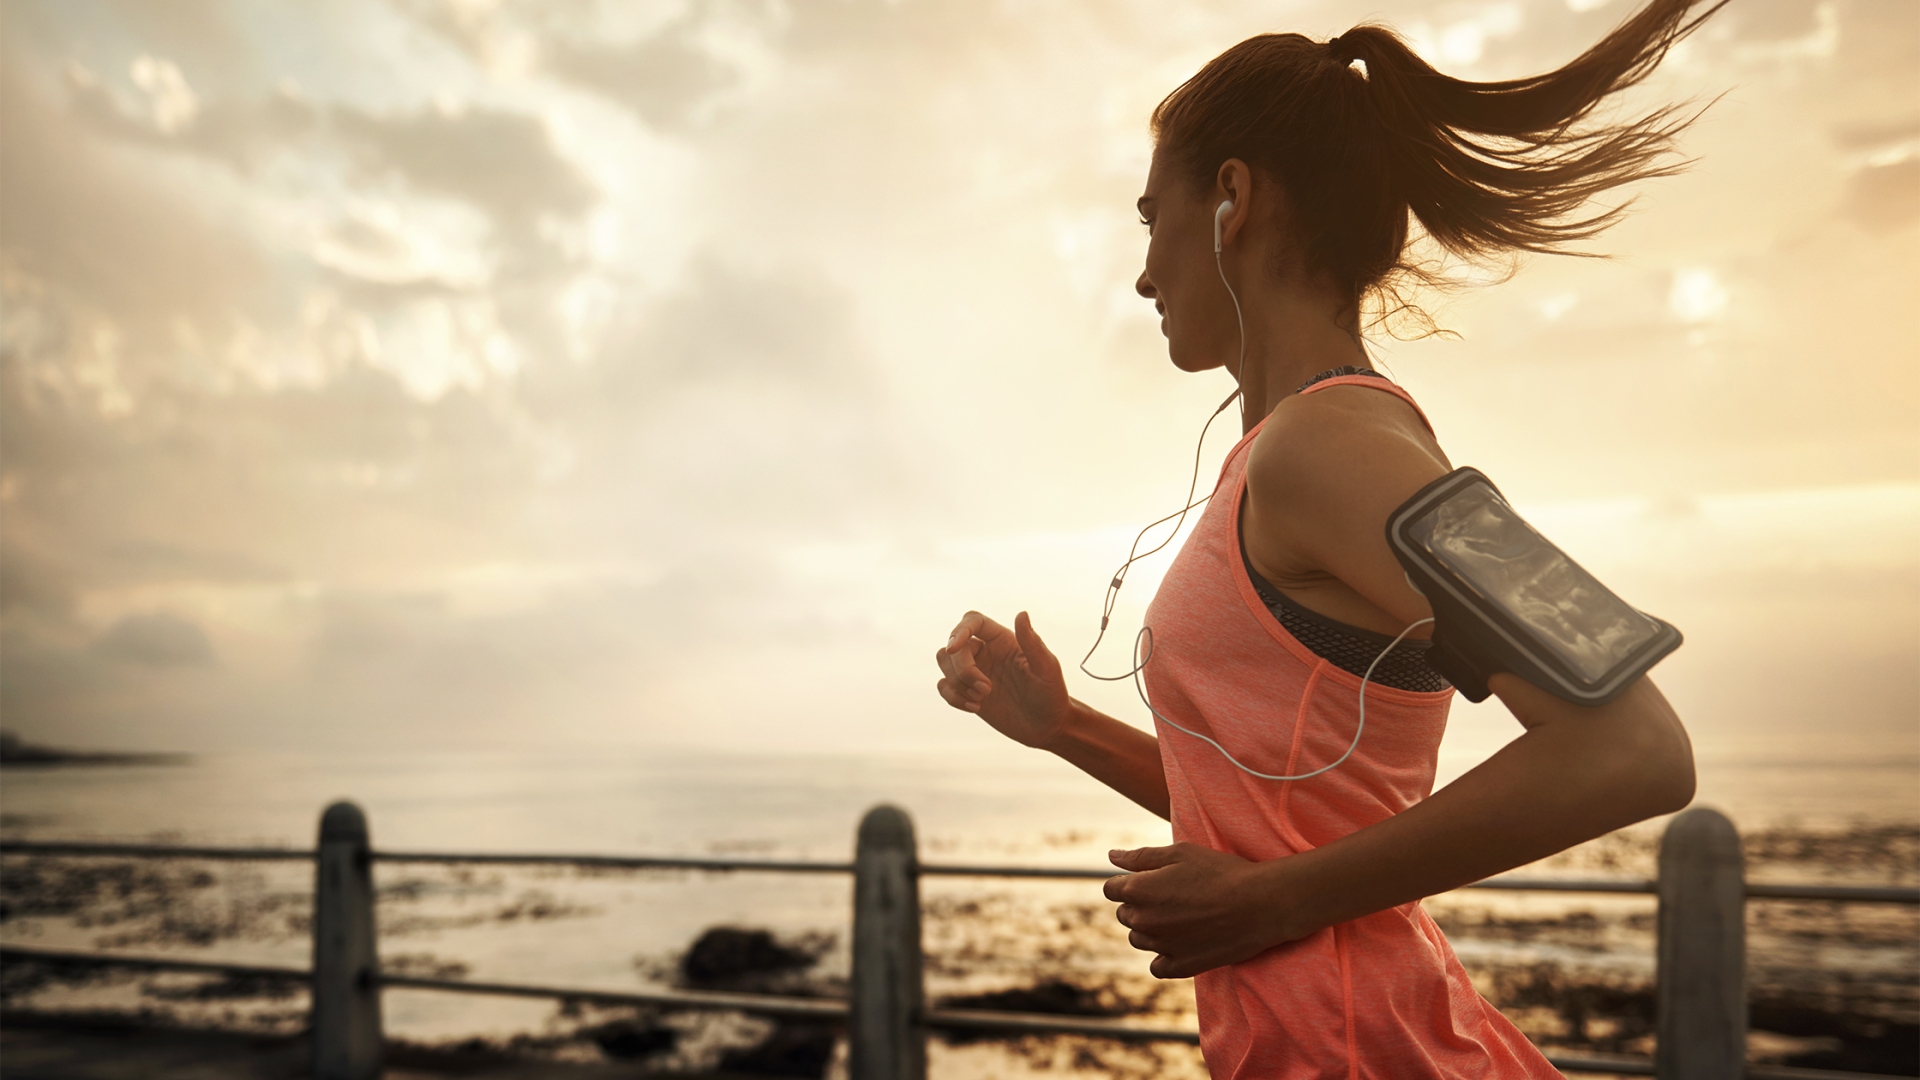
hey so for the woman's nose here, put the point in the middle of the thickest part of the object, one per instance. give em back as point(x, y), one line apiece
point(1144, 286)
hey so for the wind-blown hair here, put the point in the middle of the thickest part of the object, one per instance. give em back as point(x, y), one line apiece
point(1487, 169)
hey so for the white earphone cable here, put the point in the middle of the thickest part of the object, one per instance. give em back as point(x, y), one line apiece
point(1358, 728)
point(1240, 321)
point(1145, 636)
point(1134, 554)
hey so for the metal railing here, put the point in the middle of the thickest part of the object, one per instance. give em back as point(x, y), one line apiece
point(1700, 964)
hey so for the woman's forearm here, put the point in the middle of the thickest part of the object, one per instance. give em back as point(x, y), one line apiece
point(1576, 774)
point(1115, 753)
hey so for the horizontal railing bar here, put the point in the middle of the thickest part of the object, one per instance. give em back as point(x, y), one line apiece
point(1625, 1066)
point(1855, 894)
point(624, 862)
point(1789, 1072)
point(151, 963)
point(758, 1004)
point(1588, 885)
point(1619, 1066)
point(618, 862)
point(948, 870)
point(152, 851)
point(1867, 894)
point(1044, 1024)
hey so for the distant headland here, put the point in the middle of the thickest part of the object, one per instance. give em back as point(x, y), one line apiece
point(16, 752)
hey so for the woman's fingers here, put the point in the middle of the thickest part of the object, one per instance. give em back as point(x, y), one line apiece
point(988, 633)
point(1166, 967)
point(954, 662)
point(970, 626)
point(974, 638)
point(968, 685)
point(965, 675)
point(960, 664)
point(1040, 659)
point(1192, 905)
point(951, 694)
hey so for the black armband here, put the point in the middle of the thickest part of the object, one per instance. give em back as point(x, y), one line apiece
point(1506, 599)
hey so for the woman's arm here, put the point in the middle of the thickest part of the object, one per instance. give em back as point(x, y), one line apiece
point(1117, 754)
point(1013, 681)
point(1576, 772)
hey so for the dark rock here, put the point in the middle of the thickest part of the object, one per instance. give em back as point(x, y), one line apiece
point(629, 1039)
point(1866, 1044)
point(1055, 997)
point(794, 1049)
point(733, 958)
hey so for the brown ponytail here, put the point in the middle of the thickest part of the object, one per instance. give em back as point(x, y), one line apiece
point(1486, 168)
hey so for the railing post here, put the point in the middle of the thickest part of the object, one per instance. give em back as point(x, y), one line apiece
point(1702, 964)
point(347, 1042)
point(885, 1036)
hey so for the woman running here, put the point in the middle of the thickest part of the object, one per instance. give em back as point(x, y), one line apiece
point(1278, 202)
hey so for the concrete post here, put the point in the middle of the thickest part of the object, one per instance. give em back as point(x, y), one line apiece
point(1702, 962)
point(347, 1041)
point(886, 1039)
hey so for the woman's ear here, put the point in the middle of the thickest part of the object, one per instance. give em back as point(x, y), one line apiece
point(1234, 184)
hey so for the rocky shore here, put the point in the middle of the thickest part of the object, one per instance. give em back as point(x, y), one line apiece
point(1831, 985)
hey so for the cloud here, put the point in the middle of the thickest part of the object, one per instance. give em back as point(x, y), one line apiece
point(1819, 41)
point(173, 101)
point(670, 69)
point(1876, 137)
point(501, 161)
point(83, 219)
point(1885, 198)
point(152, 561)
point(1462, 42)
point(666, 80)
point(325, 526)
point(1697, 295)
point(33, 583)
point(725, 323)
point(272, 237)
point(741, 407)
point(158, 639)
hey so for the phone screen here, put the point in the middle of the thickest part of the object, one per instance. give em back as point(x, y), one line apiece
point(1475, 534)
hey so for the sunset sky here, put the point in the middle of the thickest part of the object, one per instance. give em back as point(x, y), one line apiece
point(418, 373)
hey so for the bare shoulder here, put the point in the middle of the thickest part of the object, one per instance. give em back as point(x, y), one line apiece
point(1343, 439)
point(1323, 476)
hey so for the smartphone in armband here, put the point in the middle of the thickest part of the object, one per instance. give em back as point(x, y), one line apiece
point(1506, 599)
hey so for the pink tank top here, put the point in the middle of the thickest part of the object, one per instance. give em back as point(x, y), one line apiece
point(1381, 996)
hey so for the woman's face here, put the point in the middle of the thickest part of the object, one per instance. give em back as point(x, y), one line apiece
point(1196, 312)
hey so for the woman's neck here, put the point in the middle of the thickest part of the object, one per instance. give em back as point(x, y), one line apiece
point(1293, 334)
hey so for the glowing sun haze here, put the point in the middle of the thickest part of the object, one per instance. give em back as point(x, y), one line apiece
point(420, 374)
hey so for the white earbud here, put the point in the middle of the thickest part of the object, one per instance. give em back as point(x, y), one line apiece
point(1220, 223)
